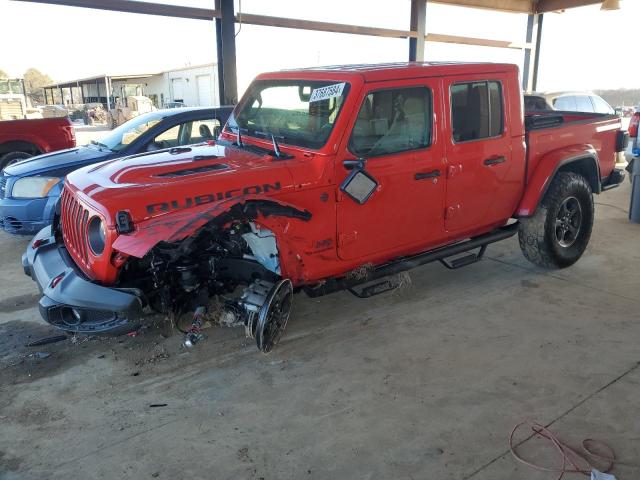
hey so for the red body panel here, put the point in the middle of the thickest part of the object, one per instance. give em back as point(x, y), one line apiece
point(47, 134)
point(402, 217)
point(580, 135)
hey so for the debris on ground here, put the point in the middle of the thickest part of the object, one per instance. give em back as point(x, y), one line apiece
point(40, 355)
point(194, 334)
point(361, 273)
point(405, 284)
point(47, 341)
point(594, 457)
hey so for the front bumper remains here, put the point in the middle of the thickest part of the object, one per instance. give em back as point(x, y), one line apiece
point(72, 303)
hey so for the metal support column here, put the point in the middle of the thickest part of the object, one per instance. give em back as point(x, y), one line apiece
point(529, 73)
point(71, 94)
point(536, 57)
point(226, 49)
point(107, 93)
point(61, 95)
point(218, 24)
point(526, 67)
point(418, 24)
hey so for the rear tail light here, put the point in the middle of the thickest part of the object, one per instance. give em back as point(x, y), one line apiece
point(633, 125)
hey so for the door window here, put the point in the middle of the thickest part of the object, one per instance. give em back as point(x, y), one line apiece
point(167, 139)
point(583, 104)
point(393, 121)
point(601, 106)
point(566, 103)
point(204, 130)
point(476, 110)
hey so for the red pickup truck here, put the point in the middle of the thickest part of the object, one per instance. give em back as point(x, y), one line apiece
point(323, 179)
point(20, 139)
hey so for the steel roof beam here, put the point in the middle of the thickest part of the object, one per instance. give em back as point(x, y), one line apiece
point(513, 6)
point(544, 6)
point(128, 6)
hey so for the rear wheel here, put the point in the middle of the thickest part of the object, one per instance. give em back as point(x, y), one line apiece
point(12, 157)
point(557, 235)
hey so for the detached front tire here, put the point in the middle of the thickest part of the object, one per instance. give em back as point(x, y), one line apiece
point(557, 235)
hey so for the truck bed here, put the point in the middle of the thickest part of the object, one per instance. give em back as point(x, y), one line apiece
point(549, 131)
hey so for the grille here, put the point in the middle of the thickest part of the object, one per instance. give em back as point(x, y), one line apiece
point(74, 219)
point(3, 185)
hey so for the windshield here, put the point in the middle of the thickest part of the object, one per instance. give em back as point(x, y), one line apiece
point(120, 137)
point(295, 112)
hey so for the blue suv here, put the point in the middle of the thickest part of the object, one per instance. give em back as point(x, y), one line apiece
point(30, 189)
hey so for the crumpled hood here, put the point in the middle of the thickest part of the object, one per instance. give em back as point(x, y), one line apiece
point(157, 183)
point(57, 163)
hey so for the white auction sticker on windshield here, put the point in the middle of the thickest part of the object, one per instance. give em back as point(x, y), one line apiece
point(329, 91)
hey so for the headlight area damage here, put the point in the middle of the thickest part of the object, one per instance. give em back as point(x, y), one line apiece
point(218, 263)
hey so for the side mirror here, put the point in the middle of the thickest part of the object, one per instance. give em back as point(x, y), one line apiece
point(358, 163)
point(359, 185)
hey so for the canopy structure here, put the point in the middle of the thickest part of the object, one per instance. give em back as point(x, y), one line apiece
point(96, 89)
point(225, 18)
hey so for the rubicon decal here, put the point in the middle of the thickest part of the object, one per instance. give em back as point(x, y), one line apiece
point(188, 202)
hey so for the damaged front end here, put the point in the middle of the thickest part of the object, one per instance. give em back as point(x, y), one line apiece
point(231, 258)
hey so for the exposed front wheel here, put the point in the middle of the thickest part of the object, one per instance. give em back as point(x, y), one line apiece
point(274, 315)
point(557, 235)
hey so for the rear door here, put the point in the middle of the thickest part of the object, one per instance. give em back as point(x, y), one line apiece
point(483, 182)
point(395, 135)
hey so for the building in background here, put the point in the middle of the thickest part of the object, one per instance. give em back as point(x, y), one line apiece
point(193, 86)
point(187, 86)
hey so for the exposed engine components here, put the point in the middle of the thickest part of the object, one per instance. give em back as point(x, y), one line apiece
point(204, 274)
point(194, 334)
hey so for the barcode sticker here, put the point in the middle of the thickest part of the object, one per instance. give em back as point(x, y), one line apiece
point(329, 91)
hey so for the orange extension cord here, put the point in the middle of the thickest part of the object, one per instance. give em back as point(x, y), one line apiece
point(572, 461)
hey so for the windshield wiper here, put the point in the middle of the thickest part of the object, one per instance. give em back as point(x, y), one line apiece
point(99, 144)
point(276, 147)
point(239, 139)
point(276, 150)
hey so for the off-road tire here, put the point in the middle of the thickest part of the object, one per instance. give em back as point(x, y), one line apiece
point(539, 234)
point(12, 157)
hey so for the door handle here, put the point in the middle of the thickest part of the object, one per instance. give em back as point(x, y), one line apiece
point(425, 175)
point(495, 160)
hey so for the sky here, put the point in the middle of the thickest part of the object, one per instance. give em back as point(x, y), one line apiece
point(582, 49)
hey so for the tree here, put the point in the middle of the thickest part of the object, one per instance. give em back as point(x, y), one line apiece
point(34, 80)
point(3, 74)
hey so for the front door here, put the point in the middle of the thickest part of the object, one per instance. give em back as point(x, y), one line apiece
point(482, 180)
point(395, 134)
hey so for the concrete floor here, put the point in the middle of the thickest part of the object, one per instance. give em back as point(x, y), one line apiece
point(420, 384)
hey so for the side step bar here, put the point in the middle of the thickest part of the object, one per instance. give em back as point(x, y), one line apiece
point(614, 180)
point(403, 264)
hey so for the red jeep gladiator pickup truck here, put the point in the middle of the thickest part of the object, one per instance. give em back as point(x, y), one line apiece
point(323, 179)
point(20, 139)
